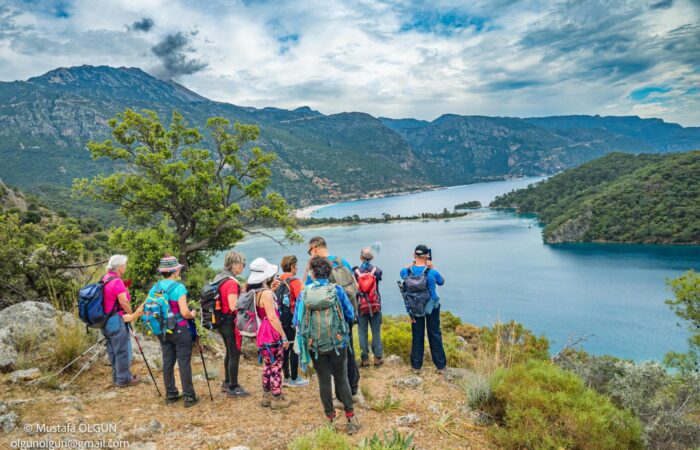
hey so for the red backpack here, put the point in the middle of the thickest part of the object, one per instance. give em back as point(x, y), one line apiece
point(367, 294)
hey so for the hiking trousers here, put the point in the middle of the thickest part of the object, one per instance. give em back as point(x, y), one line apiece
point(177, 347)
point(364, 322)
point(233, 354)
point(437, 351)
point(353, 371)
point(331, 365)
point(118, 349)
point(290, 366)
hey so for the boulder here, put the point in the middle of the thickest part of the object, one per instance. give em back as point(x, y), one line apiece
point(150, 347)
point(149, 429)
point(27, 318)
point(8, 421)
point(21, 376)
point(408, 382)
point(407, 420)
point(456, 373)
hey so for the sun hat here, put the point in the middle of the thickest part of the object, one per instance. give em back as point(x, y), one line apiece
point(261, 270)
point(169, 264)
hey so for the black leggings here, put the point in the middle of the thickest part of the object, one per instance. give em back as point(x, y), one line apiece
point(233, 355)
point(290, 356)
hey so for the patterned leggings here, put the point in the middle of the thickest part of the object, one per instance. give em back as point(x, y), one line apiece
point(272, 371)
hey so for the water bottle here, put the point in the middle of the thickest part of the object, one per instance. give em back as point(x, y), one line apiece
point(285, 300)
point(171, 320)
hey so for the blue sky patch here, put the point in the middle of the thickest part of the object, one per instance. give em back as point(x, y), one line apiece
point(643, 93)
point(287, 41)
point(444, 23)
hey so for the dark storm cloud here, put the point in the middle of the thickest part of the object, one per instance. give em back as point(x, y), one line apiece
point(145, 25)
point(173, 51)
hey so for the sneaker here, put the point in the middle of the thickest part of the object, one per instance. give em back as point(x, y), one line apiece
point(353, 425)
point(279, 402)
point(440, 371)
point(416, 371)
point(287, 382)
point(266, 399)
point(224, 388)
point(132, 382)
point(378, 361)
point(365, 362)
point(191, 401)
point(172, 399)
point(238, 391)
point(298, 382)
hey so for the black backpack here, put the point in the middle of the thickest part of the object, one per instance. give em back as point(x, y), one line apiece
point(416, 292)
point(210, 302)
point(283, 295)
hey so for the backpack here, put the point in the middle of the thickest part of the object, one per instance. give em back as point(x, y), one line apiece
point(210, 302)
point(158, 316)
point(247, 320)
point(91, 307)
point(323, 325)
point(416, 292)
point(344, 278)
point(367, 293)
point(267, 337)
point(283, 296)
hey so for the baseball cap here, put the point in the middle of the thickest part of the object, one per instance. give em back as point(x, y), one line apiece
point(422, 250)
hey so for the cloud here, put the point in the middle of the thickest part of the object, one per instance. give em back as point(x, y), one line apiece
point(145, 25)
point(663, 4)
point(173, 51)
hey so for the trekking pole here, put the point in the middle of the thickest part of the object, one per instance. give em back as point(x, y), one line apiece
point(133, 333)
point(206, 375)
point(87, 364)
point(69, 364)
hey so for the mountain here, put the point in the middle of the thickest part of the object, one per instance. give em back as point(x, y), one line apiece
point(46, 121)
point(618, 198)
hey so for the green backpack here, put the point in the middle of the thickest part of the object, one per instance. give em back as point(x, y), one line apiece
point(323, 325)
point(344, 278)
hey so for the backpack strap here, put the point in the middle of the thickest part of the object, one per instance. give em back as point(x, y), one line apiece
point(374, 269)
point(115, 307)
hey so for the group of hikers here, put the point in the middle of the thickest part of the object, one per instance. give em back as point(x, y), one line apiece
point(290, 321)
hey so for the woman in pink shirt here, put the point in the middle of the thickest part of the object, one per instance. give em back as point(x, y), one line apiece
point(115, 300)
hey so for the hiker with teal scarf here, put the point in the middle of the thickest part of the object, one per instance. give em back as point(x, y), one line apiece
point(176, 345)
point(321, 316)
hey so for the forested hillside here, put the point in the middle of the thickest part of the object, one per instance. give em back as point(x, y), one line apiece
point(618, 198)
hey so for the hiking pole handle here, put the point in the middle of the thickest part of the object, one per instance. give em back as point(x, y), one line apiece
point(133, 333)
point(206, 374)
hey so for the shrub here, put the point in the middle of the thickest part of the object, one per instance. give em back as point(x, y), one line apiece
point(397, 441)
point(477, 388)
point(512, 343)
point(70, 341)
point(539, 405)
point(325, 438)
point(396, 336)
point(449, 322)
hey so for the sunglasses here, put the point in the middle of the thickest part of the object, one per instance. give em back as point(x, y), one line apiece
point(309, 251)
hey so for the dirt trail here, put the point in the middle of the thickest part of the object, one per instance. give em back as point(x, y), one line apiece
point(226, 423)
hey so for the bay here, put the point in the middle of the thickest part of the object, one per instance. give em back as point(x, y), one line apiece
point(497, 268)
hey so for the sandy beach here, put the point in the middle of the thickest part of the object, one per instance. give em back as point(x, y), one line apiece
point(307, 211)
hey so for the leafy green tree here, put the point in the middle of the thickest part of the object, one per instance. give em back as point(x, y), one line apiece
point(686, 305)
point(209, 198)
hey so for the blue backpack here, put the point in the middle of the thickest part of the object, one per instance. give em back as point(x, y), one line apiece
point(158, 316)
point(90, 306)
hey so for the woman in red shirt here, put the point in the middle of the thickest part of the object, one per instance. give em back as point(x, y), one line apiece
point(229, 290)
point(287, 294)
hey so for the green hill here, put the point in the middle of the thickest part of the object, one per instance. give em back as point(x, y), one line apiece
point(618, 198)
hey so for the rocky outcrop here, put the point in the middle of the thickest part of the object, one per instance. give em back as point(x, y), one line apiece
point(22, 320)
point(573, 230)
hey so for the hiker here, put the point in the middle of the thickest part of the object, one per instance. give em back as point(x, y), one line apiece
point(176, 345)
point(370, 315)
point(116, 298)
point(322, 315)
point(271, 340)
point(345, 279)
point(229, 290)
point(286, 295)
point(423, 306)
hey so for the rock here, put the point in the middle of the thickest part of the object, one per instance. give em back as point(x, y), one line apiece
point(3, 408)
point(479, 418)
point(456, 373)
point(149, 429)
point(222, 440)
point(435, 409)
point(393, 359)
point(37, 319)
point(359, 400)
point(143, 446)
point(20, 376)
point(411, 382)
point(109, 395)
point(407, 420)
point(8, 421)
point(150, 347)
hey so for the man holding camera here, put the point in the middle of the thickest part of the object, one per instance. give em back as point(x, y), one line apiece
point(419, 287)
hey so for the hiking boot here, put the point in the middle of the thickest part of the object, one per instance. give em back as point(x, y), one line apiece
point(132, 382)
point(298, 382)
point(238, 391)
point(378, 361)
point(191, 400)
point(172, 399)
point(225, 388)
point(416, 371)
point(365, 362)
point(353, 425)
point(279, 402)
point(441, 371)
point(266, 399)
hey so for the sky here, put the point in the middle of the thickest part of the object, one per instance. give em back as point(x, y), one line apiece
point(387, 58)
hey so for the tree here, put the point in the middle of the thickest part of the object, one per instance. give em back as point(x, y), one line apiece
point(686, 305)
point(209, 197)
